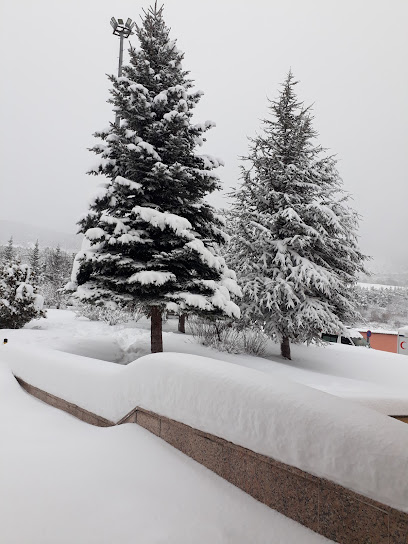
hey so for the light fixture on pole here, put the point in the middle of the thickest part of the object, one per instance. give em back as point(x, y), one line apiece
point(123, 30)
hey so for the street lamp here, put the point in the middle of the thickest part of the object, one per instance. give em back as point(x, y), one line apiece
point(123, 30)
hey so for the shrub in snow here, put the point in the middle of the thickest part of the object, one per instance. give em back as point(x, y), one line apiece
point(90, 311)
point(227, 336)
point(19, 301)
point(205, 331)
point(294, 243)
point(110, 314)
point(151, 236)
point(253, 341)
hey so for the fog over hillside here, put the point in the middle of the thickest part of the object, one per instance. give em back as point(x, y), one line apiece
point(26, 235)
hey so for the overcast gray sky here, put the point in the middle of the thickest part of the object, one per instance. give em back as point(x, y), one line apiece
point(349, 55)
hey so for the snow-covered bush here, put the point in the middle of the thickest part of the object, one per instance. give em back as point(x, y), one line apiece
point(227, 336)
point(90, 311)
point(19, 300)
point(112, 315)
point(254, 341)
point(115, 316)
point(207, 332)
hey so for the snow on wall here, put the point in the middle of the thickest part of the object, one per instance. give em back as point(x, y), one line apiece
point(329, 437)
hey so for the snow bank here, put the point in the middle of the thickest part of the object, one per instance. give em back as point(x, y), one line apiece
point(66, 482)
point(292, 423)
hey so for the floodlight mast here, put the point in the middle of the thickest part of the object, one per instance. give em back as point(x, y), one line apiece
point(123, 30)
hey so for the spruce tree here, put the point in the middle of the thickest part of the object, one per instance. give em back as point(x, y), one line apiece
point(35, 263)
point(57, 271)
point(152, 238)
point(8, 253)
point(294, 243)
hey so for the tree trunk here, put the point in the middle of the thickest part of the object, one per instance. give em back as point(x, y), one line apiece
point(285, 348)
point(182, 323)
point(156, 329)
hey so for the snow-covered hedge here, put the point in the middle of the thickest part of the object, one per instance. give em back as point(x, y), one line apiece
point(324, 435)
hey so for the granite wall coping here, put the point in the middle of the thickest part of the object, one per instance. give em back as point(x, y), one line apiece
point(325, 507)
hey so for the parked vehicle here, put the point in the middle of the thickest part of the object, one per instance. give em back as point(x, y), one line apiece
point(350, 337)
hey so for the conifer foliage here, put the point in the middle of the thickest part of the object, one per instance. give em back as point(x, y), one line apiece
point(19, 300)
point(294, 243)
point(56, 273)
point(150, 236)
point(35, 262)
point(8, 253)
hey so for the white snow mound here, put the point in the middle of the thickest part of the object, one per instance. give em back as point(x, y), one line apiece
point(324, 435)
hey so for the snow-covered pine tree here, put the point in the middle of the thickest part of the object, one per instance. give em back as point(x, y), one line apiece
point(8, 253)
point(58, 265)
point(35, 263)
point(152, 238)
point(19, 300)
point(294, 244)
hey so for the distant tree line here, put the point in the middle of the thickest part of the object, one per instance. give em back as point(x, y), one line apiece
point(50, 269)
point(385, 307)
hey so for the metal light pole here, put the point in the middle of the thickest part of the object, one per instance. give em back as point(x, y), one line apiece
point(123, 30)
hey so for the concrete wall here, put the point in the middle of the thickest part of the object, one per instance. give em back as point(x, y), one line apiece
point(323, 506)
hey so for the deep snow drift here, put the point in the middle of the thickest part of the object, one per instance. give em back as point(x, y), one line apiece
point(324, 435)
point(372, 378)
point(64, 482)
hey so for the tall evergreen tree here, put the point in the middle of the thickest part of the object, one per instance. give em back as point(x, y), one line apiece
point(152, 237)
point(294, 243)
point(35, 263)
point(8, 254)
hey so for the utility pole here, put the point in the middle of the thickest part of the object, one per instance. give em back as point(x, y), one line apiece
point(123, 30)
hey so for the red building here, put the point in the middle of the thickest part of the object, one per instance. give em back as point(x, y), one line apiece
point(383, 340)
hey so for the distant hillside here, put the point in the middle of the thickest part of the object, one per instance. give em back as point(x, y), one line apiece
point(387, 272)
point(25, 235)
point(398, 278)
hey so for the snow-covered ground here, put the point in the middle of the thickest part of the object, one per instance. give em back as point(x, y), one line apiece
point(262, 408)
point(372, 378)
point(63, 481)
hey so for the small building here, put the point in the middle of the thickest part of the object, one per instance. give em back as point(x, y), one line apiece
point(384, 340)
